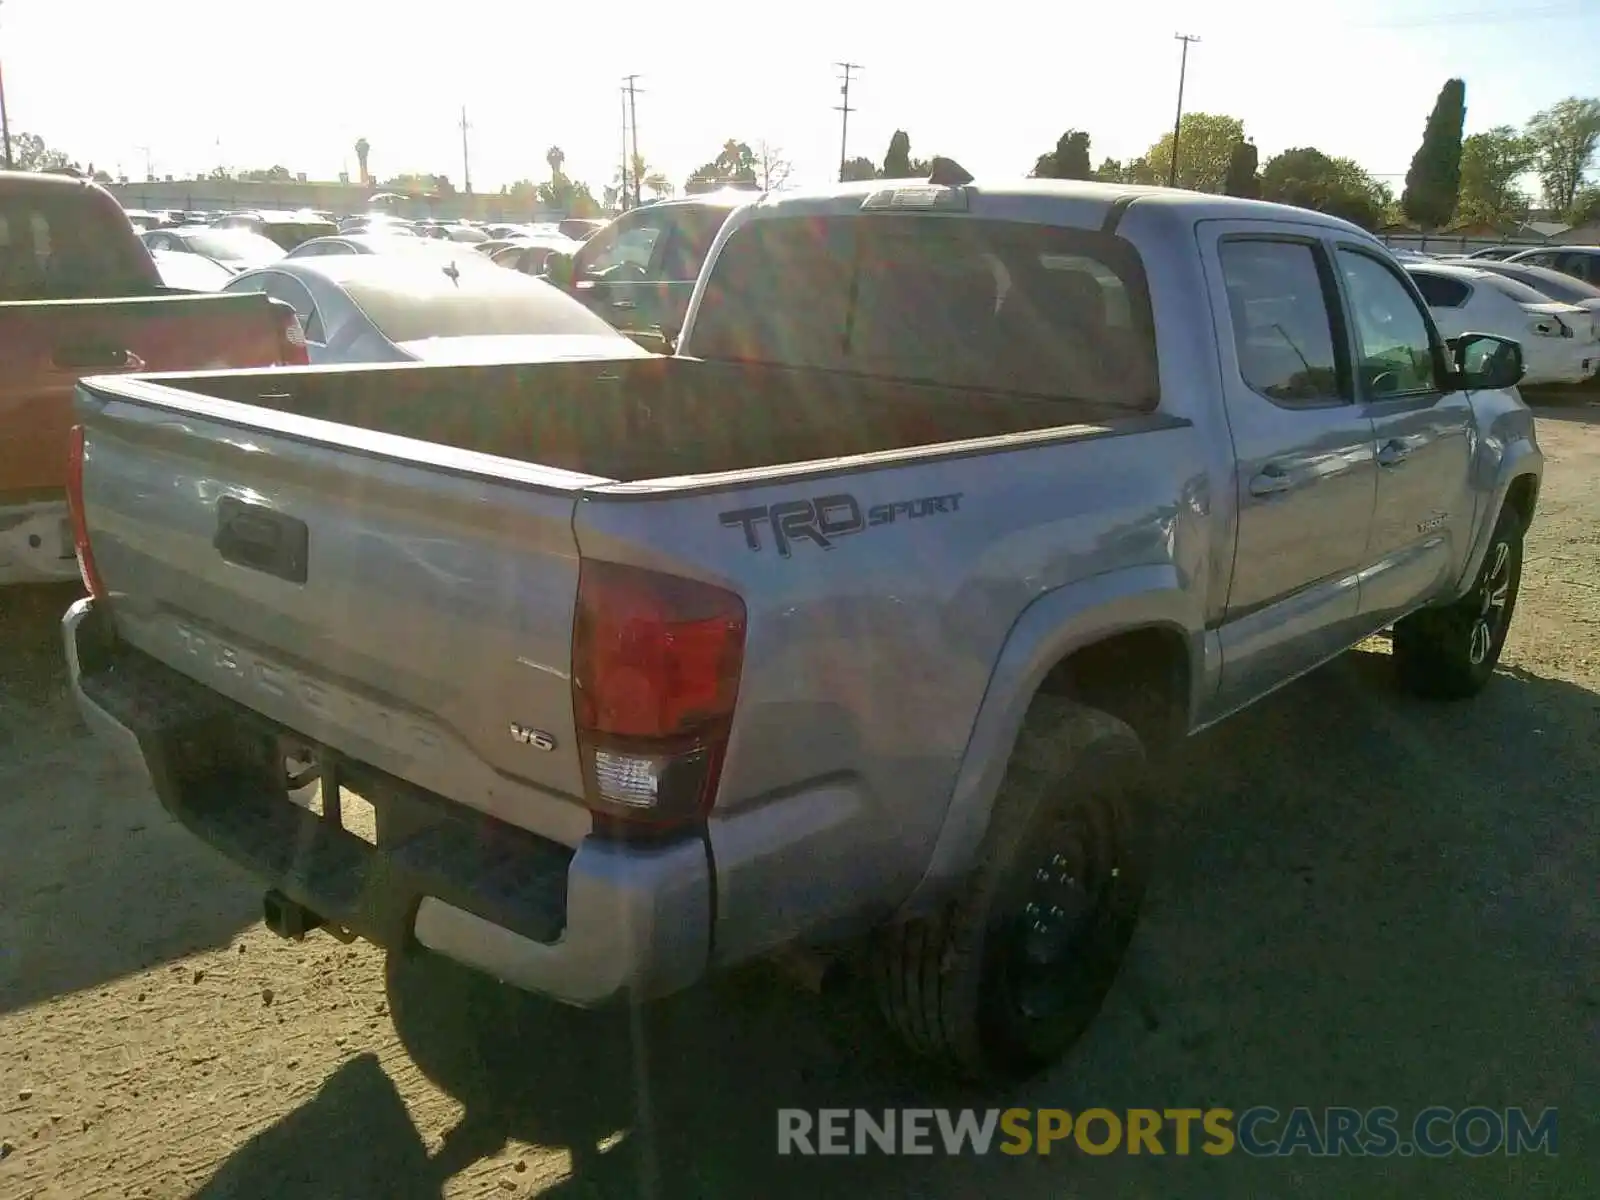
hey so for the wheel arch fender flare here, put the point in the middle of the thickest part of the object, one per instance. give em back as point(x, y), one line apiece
point(1052, 627)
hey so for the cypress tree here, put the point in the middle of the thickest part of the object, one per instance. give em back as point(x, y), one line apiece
point(1434, 181)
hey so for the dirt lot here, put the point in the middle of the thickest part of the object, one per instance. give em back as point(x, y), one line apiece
point(1363, 900)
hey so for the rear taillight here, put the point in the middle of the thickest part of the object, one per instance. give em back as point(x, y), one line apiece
point(80, 523)
point(655, 673)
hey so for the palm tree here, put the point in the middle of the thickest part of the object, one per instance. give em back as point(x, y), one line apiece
point(651, 180)
point(556, 159)
point(362, 148)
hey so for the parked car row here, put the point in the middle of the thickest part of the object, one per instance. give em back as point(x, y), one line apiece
point(1546, 298)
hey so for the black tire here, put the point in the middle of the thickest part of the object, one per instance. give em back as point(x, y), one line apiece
point(1450, 653)
point(1000, 982)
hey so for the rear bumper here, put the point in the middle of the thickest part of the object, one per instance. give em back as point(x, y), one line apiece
point(36, 544)
point(584, 927)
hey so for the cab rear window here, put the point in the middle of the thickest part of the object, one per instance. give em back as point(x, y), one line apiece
point(68, 244)
point(956, 301)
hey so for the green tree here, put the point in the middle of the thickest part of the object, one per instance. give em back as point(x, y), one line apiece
point(1111, 170)
point(30, 153)
point(1491, 164)
point(1586, 208)
point(1205, 148)
point(1308, 178)
point(1069, 160)
point(1243, 178)
point(1433, 183)
point(734, 164)
point(897, 161)
point(1563, 138)
point(858, 168)
point(275, 174)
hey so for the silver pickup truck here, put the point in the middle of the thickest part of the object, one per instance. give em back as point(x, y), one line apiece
point(853, 625)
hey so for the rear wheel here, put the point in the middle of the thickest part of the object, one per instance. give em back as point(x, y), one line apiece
point(1450, 653)
point(1007, 976)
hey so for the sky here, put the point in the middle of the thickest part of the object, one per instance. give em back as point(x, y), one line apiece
point(992, 85)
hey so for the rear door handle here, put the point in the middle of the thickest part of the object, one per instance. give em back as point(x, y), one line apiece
point(1393, 453)
point(1273, 480)
point(91, 356)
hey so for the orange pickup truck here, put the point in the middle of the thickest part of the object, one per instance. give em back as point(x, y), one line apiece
point(79, 295)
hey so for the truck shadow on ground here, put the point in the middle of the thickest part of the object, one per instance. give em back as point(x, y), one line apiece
point(95, 881)
point(1579, 409)
point(1361, 899)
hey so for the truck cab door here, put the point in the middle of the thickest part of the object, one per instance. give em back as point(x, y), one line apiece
point(1305, 476)
point(1424, 516)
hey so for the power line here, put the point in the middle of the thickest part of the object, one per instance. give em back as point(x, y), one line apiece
point(844, 110)
point(1177, 121)
point(1488, 16)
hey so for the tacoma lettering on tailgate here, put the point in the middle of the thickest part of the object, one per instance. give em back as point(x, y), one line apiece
point(822, 520)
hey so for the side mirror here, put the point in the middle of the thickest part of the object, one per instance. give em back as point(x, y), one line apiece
point(1486, 362)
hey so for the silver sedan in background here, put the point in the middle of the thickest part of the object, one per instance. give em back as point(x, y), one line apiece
point(364, 308)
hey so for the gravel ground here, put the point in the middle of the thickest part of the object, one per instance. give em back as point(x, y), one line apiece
point(1362, 900)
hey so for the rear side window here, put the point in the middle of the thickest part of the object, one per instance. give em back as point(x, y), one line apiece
point(961, 302)
point(1283, 330)
point(1521, 292)
point(1440, 291)
point(68, 244)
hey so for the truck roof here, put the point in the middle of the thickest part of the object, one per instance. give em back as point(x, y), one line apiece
point(1075, 202)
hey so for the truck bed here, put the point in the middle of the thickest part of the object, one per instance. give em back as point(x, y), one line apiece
point(400, 600)
point(632, 420)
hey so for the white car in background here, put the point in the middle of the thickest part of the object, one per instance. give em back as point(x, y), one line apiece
point(372, 308)
point(1560, 342)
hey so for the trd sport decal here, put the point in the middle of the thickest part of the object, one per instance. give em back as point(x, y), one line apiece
point(824, 519)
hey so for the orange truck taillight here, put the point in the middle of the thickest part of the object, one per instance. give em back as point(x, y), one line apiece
point(80, 523)
point(656, 660)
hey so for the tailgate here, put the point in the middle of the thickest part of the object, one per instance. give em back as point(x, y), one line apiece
point(414, 615)
point(46, 346)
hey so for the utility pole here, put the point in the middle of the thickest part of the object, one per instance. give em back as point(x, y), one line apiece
point(633, 127)
point(1177, 122)
point(149, 163)
point(844, 110)
point(466, 161)
point(622, 186)
point(5, 123)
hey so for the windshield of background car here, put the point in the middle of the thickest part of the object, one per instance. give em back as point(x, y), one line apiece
point(956, 301)
point(492, 301)
point(234, 245)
